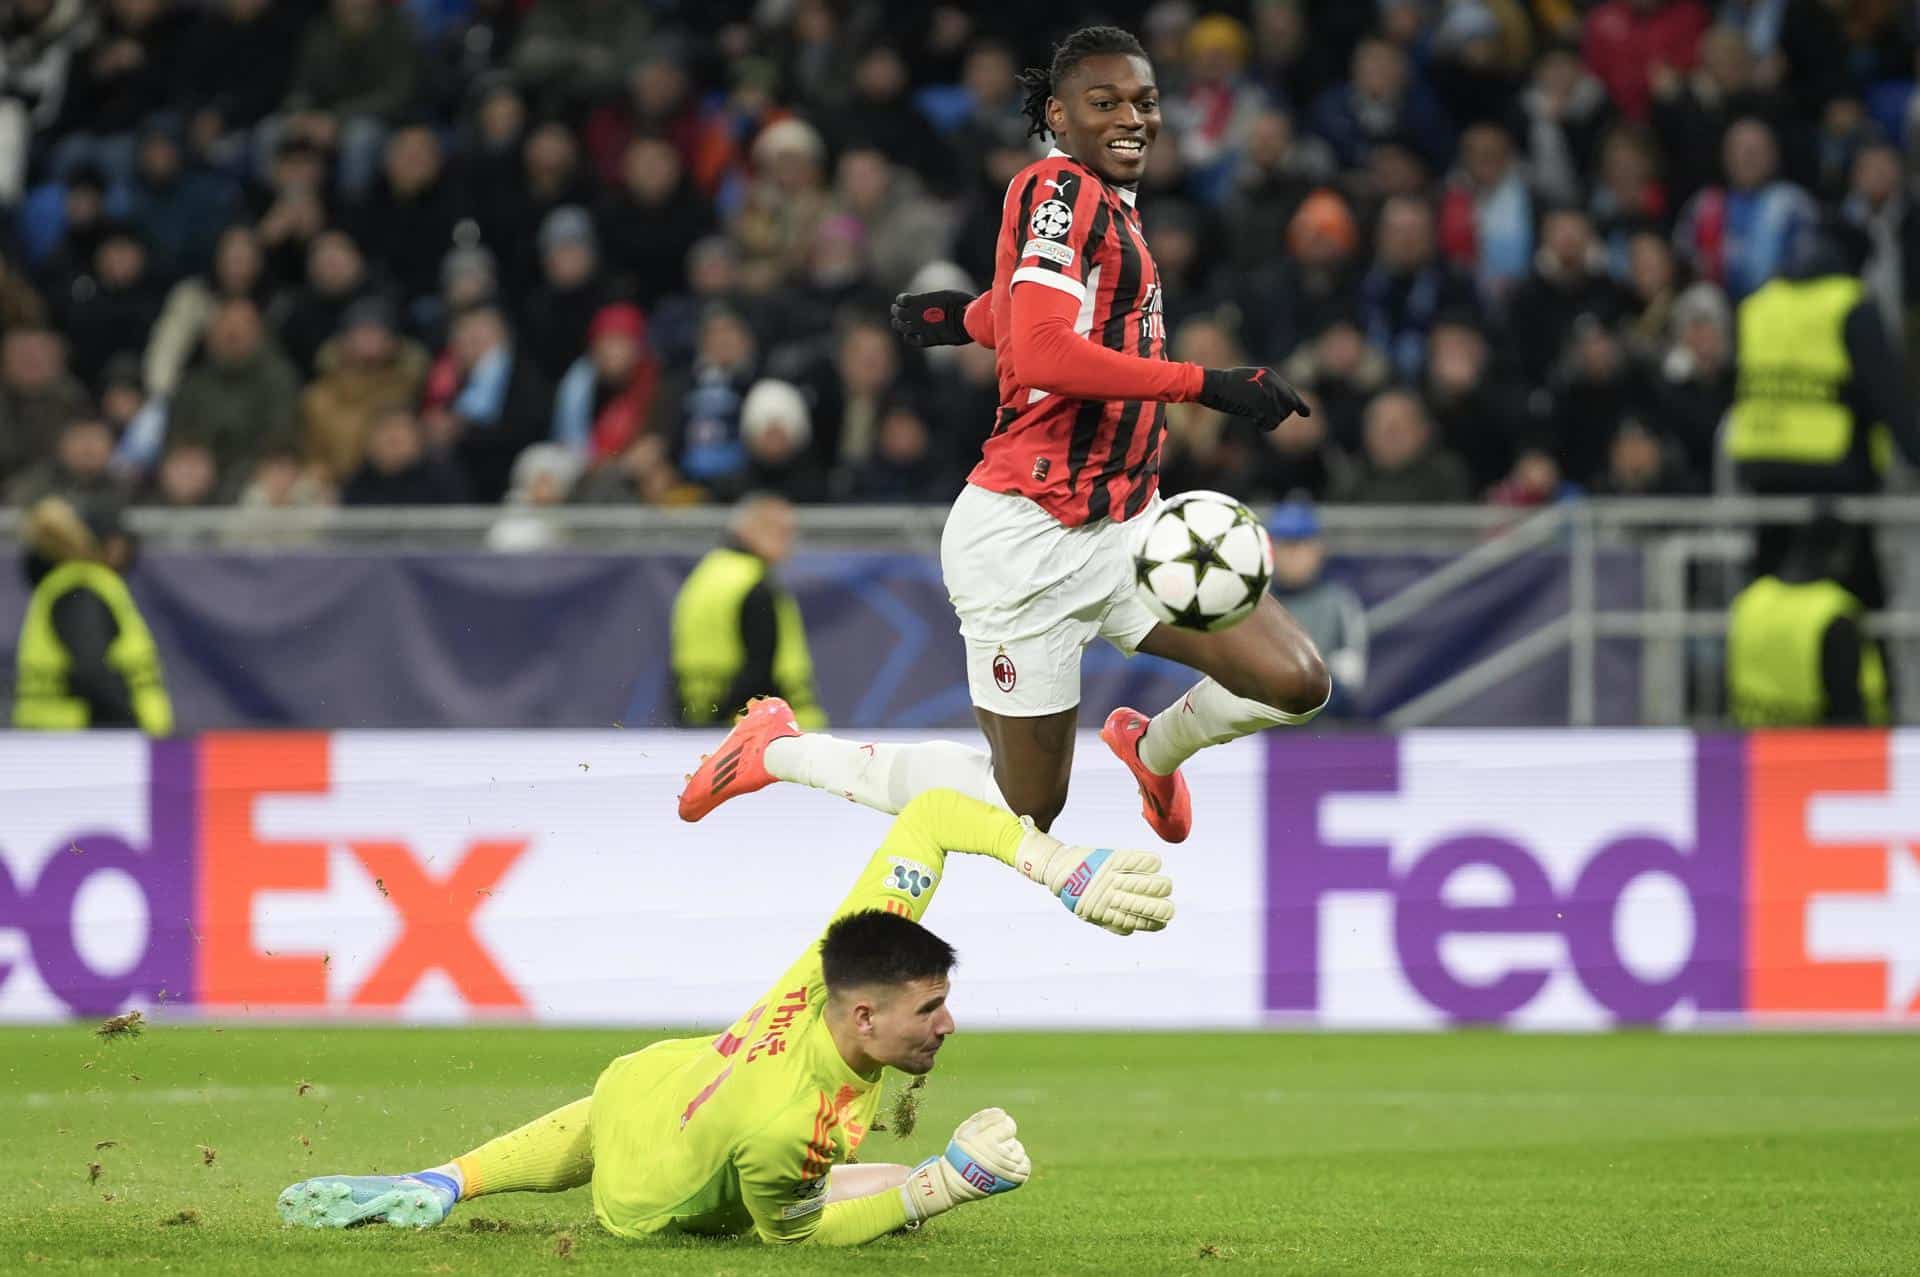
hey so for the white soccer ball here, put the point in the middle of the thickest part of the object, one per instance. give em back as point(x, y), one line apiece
point(1202, 561)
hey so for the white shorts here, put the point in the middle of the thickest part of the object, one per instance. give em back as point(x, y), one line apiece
point(1032, 593)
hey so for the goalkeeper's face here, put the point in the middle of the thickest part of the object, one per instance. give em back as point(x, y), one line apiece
point(902, 1025)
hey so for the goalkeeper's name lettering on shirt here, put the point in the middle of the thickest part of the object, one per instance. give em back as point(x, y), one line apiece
point(774, 1040)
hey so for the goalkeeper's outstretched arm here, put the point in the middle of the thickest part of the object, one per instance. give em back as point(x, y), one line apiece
point(1122, 891)
point(984, 1159)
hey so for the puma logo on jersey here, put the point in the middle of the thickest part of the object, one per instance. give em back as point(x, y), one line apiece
point(1058, 186)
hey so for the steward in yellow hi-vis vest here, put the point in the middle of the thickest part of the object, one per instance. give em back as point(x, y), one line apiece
point(736, 633)
point(1820, 401)
point(1791, 405)
point(86, 658)
point(1797, 655)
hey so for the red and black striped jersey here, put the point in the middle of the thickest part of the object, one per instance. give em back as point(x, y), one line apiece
point(1063, 228)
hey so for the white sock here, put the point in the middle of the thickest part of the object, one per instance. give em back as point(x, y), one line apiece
point(883, 777)
point(1207, 715)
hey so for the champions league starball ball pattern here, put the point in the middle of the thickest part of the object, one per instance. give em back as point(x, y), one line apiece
point(1202, 561)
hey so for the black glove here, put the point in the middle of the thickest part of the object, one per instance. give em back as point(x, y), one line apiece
point(932, 319)
point(1258, 393)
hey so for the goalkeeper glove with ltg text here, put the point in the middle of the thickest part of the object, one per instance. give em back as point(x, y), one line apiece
point(984, 1158)
point(1122, 891)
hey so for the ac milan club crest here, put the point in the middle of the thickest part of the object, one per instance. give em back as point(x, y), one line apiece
point(1003, 672)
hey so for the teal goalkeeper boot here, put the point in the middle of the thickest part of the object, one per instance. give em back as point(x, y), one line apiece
point(348, 1201)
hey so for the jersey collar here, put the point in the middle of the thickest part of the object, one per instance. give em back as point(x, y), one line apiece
point(1126, 194)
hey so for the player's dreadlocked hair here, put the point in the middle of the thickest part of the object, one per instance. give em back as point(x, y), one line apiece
point(1042, 83)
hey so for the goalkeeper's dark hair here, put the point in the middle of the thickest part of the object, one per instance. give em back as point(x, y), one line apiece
point(1042, 83)
point(876, 947)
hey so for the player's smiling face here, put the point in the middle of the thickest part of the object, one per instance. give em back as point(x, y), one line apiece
point(908, 1025)
point(1107, 115)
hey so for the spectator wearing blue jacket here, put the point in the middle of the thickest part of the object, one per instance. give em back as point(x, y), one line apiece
point(1409, 286)
point(1381, 101)
point(180, 208)
point(704, 403)
point(1740, 235)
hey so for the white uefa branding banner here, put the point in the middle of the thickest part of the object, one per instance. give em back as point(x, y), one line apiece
point(453, 876)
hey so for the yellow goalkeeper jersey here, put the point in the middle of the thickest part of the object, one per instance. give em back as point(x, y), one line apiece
point(738, 1132)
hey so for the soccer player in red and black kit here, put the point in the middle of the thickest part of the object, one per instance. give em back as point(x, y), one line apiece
point(1037, 553)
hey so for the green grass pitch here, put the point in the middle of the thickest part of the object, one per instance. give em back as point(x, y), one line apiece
point(1465, 1153)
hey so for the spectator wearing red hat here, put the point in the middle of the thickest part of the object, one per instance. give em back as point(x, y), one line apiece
point(606, 399)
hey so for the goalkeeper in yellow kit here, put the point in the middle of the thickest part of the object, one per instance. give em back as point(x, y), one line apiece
point(751, 1131)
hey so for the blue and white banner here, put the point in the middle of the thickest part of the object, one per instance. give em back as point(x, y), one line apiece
point(454, 640)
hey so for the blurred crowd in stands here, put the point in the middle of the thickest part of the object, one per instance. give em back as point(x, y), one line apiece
point(296, 252)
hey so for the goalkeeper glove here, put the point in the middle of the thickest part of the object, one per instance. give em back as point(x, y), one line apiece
point(1258, 393)
point(1123, 891)
point(984, 1158)
point(932, 319)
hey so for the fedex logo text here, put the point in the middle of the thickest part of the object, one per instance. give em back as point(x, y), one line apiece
point(207, 880)
point(1544, 879)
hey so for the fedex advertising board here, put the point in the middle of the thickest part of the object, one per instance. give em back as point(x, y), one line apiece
point(1532, 879)
point(1572, 880)
point(447, 876)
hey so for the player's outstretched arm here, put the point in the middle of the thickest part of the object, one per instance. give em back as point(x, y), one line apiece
point(1122, 891)
point(984, 1159)
point(1051, 354)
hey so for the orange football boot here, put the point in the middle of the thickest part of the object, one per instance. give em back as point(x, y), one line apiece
point(739, 766)
point(1164, 800)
